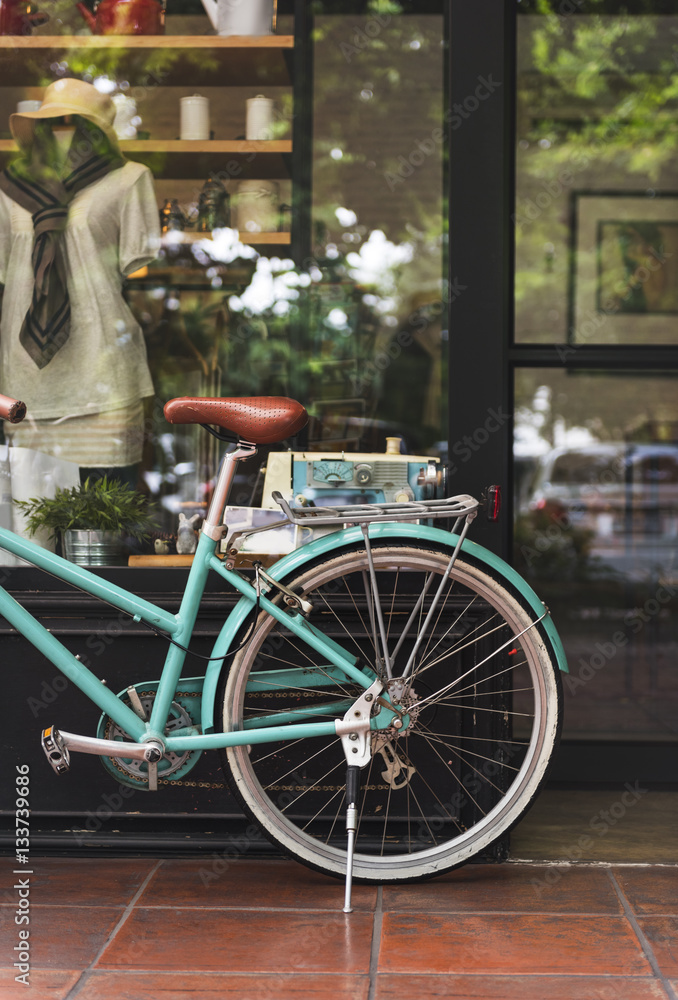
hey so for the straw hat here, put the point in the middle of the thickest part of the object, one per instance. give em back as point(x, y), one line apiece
point(67, 97)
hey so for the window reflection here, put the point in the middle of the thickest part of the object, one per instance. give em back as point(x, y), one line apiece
point(357, 329)
point(597, 534)
point(379, 351)
point(595, 218)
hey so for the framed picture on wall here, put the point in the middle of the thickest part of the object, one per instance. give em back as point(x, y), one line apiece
point(624, 271)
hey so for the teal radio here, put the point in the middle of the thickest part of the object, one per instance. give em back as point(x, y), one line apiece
point(325, 479)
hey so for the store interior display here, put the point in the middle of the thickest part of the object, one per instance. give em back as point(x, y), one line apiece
point(178, 299)
point(126, 117)
point(195, 118)
point(257, 206)
point(74, 217)
point(125, 17)
point(172, 219)
point(19, 17)
point(259, 118)
point(214, 211)
point(256, 17)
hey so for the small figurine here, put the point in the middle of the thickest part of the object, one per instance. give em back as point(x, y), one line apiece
point(161, 547)
point(187, 539)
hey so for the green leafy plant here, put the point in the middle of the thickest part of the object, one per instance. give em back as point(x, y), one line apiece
point(97, 505)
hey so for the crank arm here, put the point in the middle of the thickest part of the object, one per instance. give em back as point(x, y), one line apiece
point(151, 751)
point(58, 744)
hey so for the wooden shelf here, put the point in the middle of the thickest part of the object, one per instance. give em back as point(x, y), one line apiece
point(162, 561)
point(61, 42)
point(177, 59)
point(240, 147)
point(244, 560)
point(266, 239)
point(178, 238)
point(239, 159)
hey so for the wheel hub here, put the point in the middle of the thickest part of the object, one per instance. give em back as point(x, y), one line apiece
point(406, 699)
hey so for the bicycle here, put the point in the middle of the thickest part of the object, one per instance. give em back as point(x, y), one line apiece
point(385, 699)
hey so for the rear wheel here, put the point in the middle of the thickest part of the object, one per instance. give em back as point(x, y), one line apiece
point(475, 678)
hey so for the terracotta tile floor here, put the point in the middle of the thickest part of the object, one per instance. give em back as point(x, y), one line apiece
point(125, 929)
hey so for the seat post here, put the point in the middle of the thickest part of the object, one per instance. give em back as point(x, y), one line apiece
point(213, 523)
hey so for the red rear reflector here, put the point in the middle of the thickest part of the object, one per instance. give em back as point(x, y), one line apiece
point(493, 502)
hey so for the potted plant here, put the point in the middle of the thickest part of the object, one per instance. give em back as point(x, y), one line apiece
point(93, 520)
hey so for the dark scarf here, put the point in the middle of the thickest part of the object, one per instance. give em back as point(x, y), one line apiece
point(34, 182)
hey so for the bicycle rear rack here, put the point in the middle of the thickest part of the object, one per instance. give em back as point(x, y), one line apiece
point(367, 513)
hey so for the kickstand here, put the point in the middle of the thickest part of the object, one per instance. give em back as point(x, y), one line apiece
point(352, 790)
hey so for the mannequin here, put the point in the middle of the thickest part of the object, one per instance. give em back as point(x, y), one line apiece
point(63, 131)
point(69, 345)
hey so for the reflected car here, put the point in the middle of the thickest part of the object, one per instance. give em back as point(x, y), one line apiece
point(612, 489)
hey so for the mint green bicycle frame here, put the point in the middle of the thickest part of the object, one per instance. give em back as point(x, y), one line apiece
point(283, 726)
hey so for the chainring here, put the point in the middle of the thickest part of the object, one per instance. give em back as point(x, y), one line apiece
point(172, 765)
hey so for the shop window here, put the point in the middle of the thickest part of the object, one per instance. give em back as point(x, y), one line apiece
point(596, 210)
point(355, 327)
point(597, 534)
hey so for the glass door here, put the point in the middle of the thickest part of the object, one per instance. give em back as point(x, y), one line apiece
point(595, 361)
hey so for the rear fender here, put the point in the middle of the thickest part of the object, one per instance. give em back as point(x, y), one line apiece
point(293, 564)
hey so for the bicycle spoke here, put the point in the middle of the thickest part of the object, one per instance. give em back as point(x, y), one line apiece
point(319, 781)
point(442, 606)
point(469, 639)
point(429, 788)
point(495, 711)
point(274, 753)
point(302, 650)
point(297, 765)
point(342, 625)
point(478, 739)
point(331, 830)
point(445, 742)
point(414, 614)
point(473, 686)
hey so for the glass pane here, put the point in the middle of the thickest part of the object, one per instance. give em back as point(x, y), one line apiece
point(376, 339)
point(597, 535)
point(596, 210)
point(356, 330)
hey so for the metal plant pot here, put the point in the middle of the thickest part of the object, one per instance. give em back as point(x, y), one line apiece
point(93, 548)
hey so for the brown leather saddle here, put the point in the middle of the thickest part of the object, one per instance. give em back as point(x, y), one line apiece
point(253, 419)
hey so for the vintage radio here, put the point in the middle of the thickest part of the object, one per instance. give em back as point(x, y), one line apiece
point(324, 479)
